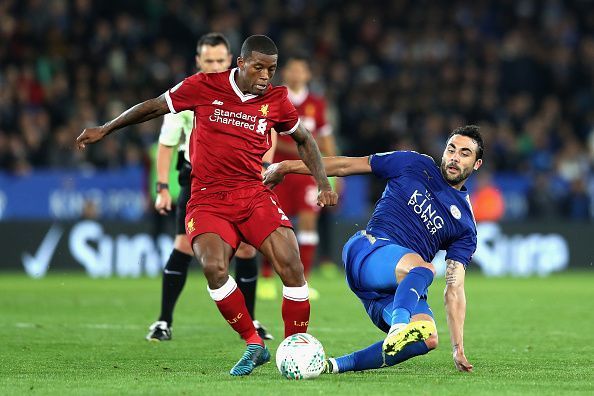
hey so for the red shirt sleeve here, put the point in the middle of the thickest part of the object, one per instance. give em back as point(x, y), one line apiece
point(288, 119)
point(185, 95)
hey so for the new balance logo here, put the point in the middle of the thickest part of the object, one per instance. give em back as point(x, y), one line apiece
point(217, 102)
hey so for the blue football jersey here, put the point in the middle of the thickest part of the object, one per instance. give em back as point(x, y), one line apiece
point(420, 210)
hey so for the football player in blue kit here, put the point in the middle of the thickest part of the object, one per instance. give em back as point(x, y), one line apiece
point(423, 209)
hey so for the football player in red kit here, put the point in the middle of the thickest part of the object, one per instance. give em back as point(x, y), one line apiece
point(234, 112)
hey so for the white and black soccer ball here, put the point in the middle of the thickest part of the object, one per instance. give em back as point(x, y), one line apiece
point(300, 356)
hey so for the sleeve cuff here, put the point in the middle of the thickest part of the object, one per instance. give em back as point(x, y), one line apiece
point(290, 131)
point(464, 262)
point(169, 103)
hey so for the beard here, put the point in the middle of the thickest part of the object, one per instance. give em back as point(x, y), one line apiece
point(454, 180)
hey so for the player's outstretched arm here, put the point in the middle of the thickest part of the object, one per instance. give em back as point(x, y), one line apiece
point(141, 112)
point(335, 166)
point(455, 304)
point(310, 154)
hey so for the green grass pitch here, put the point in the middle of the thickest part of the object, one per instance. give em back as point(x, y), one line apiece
point(68, 334)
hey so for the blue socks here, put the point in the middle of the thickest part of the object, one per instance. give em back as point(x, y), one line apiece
point(408, 293)
point(373, 358)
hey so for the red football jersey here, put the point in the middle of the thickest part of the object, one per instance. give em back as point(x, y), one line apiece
point(312, 113)
point(231, 129)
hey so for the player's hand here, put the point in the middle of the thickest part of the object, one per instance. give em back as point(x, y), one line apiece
point(462, 364)
point(163, 202)
point(273, 175)
point(327, 197)
point(90, 135)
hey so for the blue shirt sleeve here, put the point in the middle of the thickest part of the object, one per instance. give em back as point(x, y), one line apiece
point(390, 164)
point(462, 249)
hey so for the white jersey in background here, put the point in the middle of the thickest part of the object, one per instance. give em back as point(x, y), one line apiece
point(176, 130)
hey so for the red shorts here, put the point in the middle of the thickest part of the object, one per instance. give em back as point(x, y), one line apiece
point(249, 214)
point(298, 193)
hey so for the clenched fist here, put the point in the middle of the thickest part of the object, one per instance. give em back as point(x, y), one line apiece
point(327, 197)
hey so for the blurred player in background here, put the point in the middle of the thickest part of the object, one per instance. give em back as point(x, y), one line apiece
point(298, 194)
point(424, 208)
point(213, 55)
point(234, 112)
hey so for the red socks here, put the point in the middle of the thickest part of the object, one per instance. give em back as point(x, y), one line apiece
point(231, 304)
point(295, 309)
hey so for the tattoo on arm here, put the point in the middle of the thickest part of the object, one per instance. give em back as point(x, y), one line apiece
point(141, 112)
point(452, 271)
point(310, 154)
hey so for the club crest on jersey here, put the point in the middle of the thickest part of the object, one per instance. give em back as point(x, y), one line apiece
point(264, 110)
point(190, 225)
point(455, 212)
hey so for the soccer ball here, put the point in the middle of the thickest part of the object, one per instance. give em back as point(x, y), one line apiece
point(300, 356)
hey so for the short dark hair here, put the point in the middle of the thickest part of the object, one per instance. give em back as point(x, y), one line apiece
point(471, 131)
point(259, 43)
point(297, 56)
point(212, 40)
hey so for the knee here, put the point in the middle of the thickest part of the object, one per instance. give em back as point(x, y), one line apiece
point(290, 269)
point(429, 266)
point(432, 342)
point(215, 270)
point(403, 270)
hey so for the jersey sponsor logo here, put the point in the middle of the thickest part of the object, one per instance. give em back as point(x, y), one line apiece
point(455, 212)
point(262, 124)
point(264, 110)
point(217, 102)
point(234, 118)
point(422, 206)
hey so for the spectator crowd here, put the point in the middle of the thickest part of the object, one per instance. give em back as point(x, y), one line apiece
point(397, 75)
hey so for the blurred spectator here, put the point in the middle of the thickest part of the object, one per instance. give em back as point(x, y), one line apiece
point(397, 74)
point(487, 201)
point(544, 201)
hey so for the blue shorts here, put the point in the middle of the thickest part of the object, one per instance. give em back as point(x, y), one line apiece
point(370, 264)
